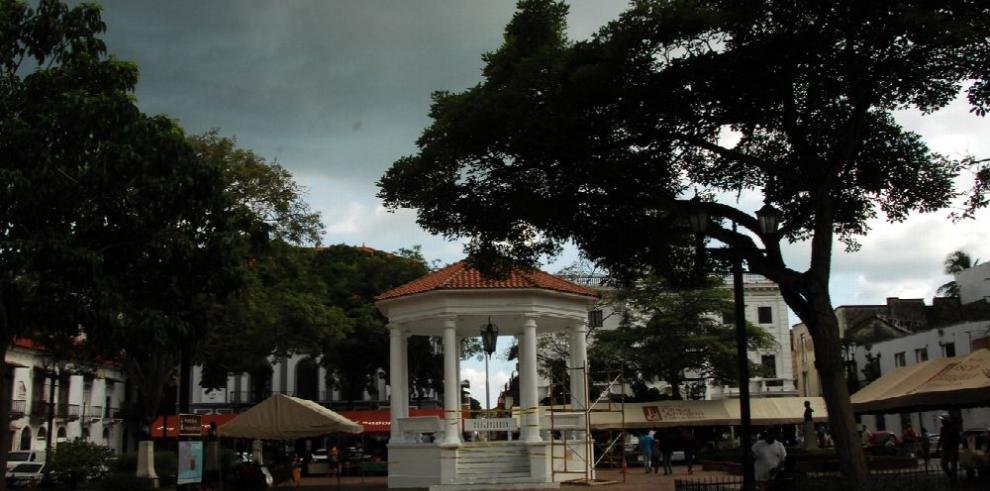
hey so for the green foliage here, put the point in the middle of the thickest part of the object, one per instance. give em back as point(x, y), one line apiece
point(666, 333)
point(317, 302)
point(284, 308)
point(166, 463)
point(354, 275)
point(76, 461)
point(266, 190)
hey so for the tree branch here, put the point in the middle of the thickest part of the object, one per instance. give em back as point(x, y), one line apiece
point(727, 153)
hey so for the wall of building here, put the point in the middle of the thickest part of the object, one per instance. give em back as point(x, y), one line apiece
point(240, 388)
point(86, 415)
point(974, 283)
point(757, 292)
point(933, 343)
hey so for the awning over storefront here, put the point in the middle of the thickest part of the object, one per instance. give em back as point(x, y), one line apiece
point(942, 383)
point(663, 414)
point(158, 426)
point(373, 421)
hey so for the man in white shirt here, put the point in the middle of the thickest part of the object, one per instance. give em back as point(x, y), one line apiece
point(768, 454)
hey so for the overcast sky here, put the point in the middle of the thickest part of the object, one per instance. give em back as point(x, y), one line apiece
point(337, 90)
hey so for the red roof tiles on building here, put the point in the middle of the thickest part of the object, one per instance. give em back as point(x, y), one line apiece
point(459, 276)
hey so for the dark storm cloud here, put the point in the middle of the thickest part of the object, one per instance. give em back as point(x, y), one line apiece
point(336, 89)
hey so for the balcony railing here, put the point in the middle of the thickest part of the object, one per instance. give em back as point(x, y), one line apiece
point(17, 408)
point(69, 412)
point(39, 408)
point(93, 413)
point(248, 396)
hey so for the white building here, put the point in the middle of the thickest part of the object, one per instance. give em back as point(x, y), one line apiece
point(87, 403)
point(954, 340)
point(765, 307)
point(297, 375)
point(974, 283)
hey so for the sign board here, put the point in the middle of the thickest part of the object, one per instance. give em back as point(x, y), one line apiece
point(190, 425)
point(672, 413)
point(190, 463)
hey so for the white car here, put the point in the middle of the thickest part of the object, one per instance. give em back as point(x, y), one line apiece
point(18, 457)
point(320, 456)
point(26, 474)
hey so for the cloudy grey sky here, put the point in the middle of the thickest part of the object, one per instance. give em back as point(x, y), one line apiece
point(337, 90)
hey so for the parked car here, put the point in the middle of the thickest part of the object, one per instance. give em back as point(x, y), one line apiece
point(973, 457)
point(26, 474)
point(934, 449)
point(320, 456)
point(23, 456)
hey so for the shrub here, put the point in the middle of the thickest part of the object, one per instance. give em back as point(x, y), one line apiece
point(78, 460)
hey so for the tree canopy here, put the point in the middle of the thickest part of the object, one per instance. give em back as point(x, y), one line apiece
point(591, 140)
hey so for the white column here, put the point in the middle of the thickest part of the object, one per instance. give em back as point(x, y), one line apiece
point(451, 386)
point(460, 392)
point(404, 387)
point(527, 373)
point(579, 369)
point(395, 370)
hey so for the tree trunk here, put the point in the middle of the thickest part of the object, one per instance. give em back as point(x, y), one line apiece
point(824, 329)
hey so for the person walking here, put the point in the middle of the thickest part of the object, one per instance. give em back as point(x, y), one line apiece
point(768, 455)
point(926, 446)
point(865, 436)
point(655, 462)
point(296, 469)
point(669, 443)
point(948, 441)
point(690, 445)
point(808, 430)
point(909, 441)
point(646, 448)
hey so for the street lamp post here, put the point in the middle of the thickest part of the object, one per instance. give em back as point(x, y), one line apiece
point(767, 216)
point(489, 337)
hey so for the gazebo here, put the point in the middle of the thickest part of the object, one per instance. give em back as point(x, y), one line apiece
point(453, 303)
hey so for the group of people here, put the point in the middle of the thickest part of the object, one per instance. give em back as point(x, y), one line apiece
point(658, 450)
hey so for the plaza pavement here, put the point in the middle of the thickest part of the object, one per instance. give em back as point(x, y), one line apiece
point(635, 480)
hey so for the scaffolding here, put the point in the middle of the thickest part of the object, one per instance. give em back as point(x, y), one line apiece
point(570, 427)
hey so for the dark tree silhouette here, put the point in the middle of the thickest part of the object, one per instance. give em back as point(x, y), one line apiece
point(601, 142)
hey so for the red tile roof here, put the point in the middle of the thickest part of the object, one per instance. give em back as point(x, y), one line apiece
point(459, 276)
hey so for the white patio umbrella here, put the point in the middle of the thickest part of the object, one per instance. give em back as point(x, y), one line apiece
point(281, 417)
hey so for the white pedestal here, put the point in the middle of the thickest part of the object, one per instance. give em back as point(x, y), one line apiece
point(146, 462)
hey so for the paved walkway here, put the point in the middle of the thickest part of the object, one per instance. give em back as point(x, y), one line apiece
point(635, 480)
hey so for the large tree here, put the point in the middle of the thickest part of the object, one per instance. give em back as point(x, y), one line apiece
point(70, 139)
point(179, 243)
point(601, 141)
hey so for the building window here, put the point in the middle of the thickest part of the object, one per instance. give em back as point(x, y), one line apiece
point(920, 355)
point(764, 315)
point(899, 359)
point(950, 350)
point(595, 318)
point(769, 363)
